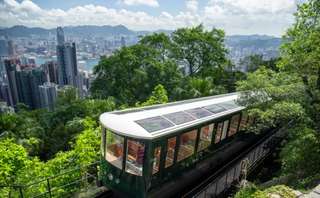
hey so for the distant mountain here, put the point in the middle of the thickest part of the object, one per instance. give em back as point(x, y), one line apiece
point(87, 30)
point(262, 41)
point(240, 46)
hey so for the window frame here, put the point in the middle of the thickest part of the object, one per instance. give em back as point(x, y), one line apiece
point(231, 122)
point(127, 139)
point(103, 146)
point(193, 129)
point(243, 126)
point(212, 135)
point(123, 151)
point(174, 153)
point(225, 129)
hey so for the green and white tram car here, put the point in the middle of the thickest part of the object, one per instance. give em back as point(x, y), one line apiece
point(145, 148)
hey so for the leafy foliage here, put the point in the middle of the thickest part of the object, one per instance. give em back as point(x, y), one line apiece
point(252, 191)
point(273, 98)
point(158, 96)
point(293, 94)
point(13, 159)
point(253, 62)
point(131, 73)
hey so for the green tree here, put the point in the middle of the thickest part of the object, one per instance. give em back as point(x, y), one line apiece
point(293, 93)
point(273, 98)
point(300, 53)
point(13, 159)
point(194, 87)
point(203, 51)
point(253, 62)
point(130, 74)
point(158, 96)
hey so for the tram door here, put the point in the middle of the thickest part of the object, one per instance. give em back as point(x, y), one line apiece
point(157, 161)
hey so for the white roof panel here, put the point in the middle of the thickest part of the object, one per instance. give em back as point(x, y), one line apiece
point(158, 120)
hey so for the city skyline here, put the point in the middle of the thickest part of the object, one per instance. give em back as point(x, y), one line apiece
point(234, 16)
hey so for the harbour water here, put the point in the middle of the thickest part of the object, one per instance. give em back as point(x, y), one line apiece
point(87, 64)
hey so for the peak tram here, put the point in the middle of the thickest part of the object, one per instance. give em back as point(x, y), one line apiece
point(162, 150)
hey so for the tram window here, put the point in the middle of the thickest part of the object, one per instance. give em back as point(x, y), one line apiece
point(156, 160)
point(218, 133)
point(135, 154)
point(205, 136)
point(114, 153)
point(225, 128)
point(234, 125)
point(187, 144)
point(170, 151)
point(243, 122)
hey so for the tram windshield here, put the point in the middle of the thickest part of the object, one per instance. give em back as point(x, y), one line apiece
point(114, 152)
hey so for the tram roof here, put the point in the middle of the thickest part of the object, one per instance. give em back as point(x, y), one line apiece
point(159, 120)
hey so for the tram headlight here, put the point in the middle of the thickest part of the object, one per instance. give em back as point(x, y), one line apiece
point(117, 181)
point(110, 176)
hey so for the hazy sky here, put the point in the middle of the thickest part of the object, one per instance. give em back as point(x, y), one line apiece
point(270, 17)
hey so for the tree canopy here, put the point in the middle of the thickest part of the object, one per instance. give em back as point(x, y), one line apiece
point(292, 93)
point(180, 62)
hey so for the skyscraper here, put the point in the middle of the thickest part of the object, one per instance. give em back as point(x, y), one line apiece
point(11, 48)
point(11, 78)
point(67, 61)
point(70, 58)
point(48, 95)
point(60, 36)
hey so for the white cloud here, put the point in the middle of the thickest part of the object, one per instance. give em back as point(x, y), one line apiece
point(263, 16)
point(234, 16)
point(192, 5)
point(151, 3)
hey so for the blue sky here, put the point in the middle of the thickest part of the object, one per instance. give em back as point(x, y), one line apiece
point(271, 17)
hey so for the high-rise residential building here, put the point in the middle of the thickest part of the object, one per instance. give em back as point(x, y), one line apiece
point(28, 81)
point(51, 70)
point(11, 79)
point(60, 36)
point(5, 94)
point(23, 84)
point(48, 95)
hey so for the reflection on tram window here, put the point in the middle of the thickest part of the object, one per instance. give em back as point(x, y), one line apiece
point(135, 154)
point(156, 160)
point(114, 153)
point(187, 144)
point(218, 133)
point(243, 123)
point(234, 125)
point(205, 137)
point(225, 128)
point(170, 151)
